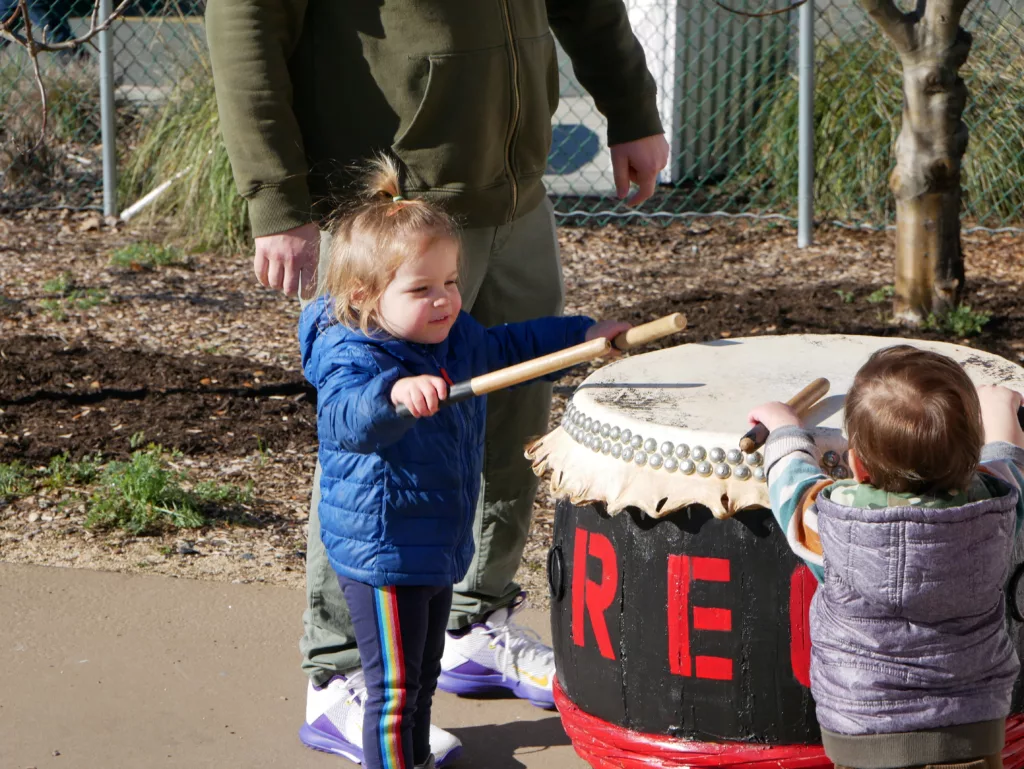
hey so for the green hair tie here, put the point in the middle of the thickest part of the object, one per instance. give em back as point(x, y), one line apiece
point(397, 199)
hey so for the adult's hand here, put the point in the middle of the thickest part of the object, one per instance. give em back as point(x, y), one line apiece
point(639, 162)
point(281, 258)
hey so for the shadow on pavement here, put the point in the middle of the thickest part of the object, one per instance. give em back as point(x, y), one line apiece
point(500, 746)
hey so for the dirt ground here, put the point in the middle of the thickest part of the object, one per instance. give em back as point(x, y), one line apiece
point(197, 357)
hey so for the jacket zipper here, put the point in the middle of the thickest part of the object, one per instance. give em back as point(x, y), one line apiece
point(515, 108)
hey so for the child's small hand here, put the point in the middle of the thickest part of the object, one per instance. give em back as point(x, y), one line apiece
point(774, 415)
point(422, 395)
point(999, 414)
point(609, 329)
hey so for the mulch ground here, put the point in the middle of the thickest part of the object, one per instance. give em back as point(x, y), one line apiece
point(197, 357)
point(91, 397)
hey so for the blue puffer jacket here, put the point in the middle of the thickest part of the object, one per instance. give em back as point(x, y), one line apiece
point(397, 496)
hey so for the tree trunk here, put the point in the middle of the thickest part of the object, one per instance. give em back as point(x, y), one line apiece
point(932, 141)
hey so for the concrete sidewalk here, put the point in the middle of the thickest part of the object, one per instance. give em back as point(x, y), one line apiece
point(104, 671)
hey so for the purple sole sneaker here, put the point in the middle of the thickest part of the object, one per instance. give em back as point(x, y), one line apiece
point(454, 682)
point(331, 743)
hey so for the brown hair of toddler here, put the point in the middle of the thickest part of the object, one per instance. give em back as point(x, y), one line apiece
point(914, 420)
point(370, 242)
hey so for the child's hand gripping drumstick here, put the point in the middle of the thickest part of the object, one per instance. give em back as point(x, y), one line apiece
point(547, 364)
point(771, 416)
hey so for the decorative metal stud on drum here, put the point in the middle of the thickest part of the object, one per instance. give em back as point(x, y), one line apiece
point(678, 611)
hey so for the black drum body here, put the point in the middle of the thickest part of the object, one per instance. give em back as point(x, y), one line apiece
point(689, 626)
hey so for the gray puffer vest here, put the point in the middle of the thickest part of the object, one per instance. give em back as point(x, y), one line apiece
point(908, 630)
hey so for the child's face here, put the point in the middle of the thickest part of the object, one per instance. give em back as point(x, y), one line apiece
point(422, 301)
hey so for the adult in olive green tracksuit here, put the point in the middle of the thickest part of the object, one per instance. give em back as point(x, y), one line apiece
point(462, 92)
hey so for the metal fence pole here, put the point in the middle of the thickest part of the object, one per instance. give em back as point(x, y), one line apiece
point(805, 230)
point(107, 113)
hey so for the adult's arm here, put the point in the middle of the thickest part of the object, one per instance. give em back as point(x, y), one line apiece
point(250, 44)
point(609, 62)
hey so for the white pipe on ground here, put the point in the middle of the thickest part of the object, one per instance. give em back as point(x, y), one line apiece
point(153, 194)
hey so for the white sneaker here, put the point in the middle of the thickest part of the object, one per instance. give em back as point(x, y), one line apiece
point(499, 654)
point(334, 722)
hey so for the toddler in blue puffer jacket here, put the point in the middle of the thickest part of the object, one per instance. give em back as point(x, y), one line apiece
point(397, 495)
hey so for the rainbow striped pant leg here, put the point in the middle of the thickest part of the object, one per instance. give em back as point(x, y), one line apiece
point(400, 631)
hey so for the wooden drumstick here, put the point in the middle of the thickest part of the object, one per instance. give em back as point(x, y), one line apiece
point(556, 361)
point(800, 403)
point(649, 332)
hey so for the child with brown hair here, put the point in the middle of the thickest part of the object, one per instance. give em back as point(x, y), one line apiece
point(911, 661)
point(397, 494)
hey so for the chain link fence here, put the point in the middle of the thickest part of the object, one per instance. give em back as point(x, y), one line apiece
point(727, 95)
point(154, 43)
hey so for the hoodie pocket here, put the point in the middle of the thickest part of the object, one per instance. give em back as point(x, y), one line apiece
point(538, 100)
point(456, 138)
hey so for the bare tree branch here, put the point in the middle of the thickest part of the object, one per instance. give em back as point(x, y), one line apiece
point(762, 15)
point(943, 20)
point(34, 47)
point(34, 55)
point(95, 27)
point(8, 25)
point(897, 26)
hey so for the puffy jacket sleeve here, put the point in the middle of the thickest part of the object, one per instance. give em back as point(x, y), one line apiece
point(514, 343)
point(609, 62)
point(1006, 461)
point(354, 409)
point(250, 43)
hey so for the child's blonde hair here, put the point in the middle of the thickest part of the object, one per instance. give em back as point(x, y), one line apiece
point(371, 241)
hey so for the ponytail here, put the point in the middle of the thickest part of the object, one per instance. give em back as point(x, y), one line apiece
point(382, 182)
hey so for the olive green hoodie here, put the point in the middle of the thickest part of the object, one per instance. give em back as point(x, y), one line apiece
point(462, 91)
